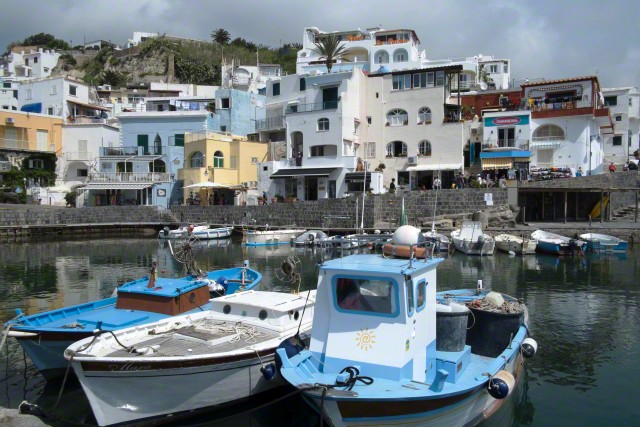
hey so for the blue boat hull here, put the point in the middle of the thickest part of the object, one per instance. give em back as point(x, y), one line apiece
point(596, 246)
point(556, 249)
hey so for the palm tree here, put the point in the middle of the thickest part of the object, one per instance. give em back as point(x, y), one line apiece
point(330, 50)
point(221, 36)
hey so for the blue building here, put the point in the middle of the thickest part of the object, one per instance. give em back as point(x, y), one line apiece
point(236, 112)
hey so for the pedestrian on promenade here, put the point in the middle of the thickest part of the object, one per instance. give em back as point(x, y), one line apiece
point(612, 168)
point(392, 186)
point(579, 172)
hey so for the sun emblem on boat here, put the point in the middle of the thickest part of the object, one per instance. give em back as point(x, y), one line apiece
point(365, 339)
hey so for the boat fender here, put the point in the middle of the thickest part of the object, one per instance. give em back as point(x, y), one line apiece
point(529, 348)
point(511, 253)
point(292, 346)
point(268, 371)
point(501, 384)
point(223, 282)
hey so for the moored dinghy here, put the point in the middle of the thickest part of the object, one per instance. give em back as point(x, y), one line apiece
point(202, 232)
point(471, 240)
point(516, 244)
point(604, 242)
point(556, 244)
point(442, 242)
point(281, 236)
point(311, 238)
point(378, 356)
point(190, 362)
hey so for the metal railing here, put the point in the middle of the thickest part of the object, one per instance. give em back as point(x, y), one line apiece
point(547, 138)
point(86, 120)
point(316, 106)
point(20, 144)
point(131, 151)
point(129, 177)
point(77, 155)
point(499, 143)
point(270, 123)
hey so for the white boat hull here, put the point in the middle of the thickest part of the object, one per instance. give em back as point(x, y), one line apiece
point(467, 247)
point(516, 245)
point(132, 394)
point(201, 232)
point(271, 237)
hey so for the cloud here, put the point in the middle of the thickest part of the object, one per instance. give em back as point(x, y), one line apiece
point(543, 38)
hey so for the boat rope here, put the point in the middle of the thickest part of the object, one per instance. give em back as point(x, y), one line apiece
point(5, 331)
point(303, 310)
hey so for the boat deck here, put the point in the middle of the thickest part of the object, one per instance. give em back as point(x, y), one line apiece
point(201, 339)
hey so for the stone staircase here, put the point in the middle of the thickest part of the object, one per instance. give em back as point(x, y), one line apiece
point(627, 213)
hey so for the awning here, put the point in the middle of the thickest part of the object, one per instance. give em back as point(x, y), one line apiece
point(436, 167)
point(497, 163)
point(90, 106)
point(504, 154)
point(357, 177)
point(32, 108)
point(115, 186)
point(292, 173)
point(207, 184)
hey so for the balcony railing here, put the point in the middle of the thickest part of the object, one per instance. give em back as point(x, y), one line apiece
point(129, 177)
point(77, 155)
point(131, 151)
point(270, 123)
point(86, 120)
point(499, 143)
point(547, 138)
point(20, 144)
point(5, 166)
point(316, 106)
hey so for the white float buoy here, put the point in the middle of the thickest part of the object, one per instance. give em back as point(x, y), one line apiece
point(529, 348)
point(501, 384)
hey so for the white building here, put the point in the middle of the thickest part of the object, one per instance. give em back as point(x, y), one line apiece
point(139, 37)
point(9, 95)
point(250, 78)
point(505, 142)
point(624, 104)
point(34, 64)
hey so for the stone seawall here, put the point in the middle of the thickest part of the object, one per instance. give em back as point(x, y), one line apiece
point(19, 215)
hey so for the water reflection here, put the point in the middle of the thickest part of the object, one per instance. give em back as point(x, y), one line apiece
point(584, 311)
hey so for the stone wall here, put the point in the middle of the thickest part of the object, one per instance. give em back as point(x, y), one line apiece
point(18, 215)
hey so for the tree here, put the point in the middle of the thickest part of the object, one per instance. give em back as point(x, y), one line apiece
point(484, 75)
point(46, 40)
point(330, 50)
point(221, 36)
point(114, 78)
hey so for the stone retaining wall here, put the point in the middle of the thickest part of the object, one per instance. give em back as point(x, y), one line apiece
point(17, 215)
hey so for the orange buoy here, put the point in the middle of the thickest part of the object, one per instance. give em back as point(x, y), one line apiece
point(403, 251)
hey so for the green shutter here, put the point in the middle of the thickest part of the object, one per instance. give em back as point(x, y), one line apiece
point(143, 141)
point(179, 139)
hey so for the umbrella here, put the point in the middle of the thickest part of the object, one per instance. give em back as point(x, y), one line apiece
point(207, 184)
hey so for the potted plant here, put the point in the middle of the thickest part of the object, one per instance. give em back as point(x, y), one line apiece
point(276, 198)
point(291, 198)
point(381, 167)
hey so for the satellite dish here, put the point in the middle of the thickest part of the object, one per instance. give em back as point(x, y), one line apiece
point(483, 86)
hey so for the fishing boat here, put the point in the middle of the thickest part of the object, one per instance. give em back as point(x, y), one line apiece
point(603, 242)
point(386, 349)
point(556, 244)
point(441, 242)
point(202, 232)
point(271, 237)
point(183, 364)
point(311, 238)
point(349, 241)
point(515, 244)
point(45, 336)
point(471, 240)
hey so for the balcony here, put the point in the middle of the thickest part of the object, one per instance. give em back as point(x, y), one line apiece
point(77, 155)
point(316, 106)
point(5, 166)
point(20, 144)
point(130, 151)
point(129, 177)
point(270, 123)
point(499, 143)
point(86, 120)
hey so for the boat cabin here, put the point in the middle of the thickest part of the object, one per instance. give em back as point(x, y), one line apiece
point(378, 314)
point(166, 296)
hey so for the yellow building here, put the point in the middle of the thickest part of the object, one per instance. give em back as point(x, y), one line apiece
point(220, 158)
point(22, 131)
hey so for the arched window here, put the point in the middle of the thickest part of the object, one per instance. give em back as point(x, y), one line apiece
point(157, 166)
point(424, 148)
point(396, 149)
point(381, 57)
point(323, 124)
point(157, 144)
point(400, 55)
point(424, 116)
point(218, 159)
point(548, 133)
point(397, 117)
point(196, 160)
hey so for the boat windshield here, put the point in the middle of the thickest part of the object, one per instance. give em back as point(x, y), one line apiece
point(365, 295)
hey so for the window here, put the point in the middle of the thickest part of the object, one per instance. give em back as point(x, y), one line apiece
point(323, 124)
point(630, 137)
point(29, 94)
point(402, 82)
point(630, 102)
point(424, 116)
point(157, 166)
point(397, 117)
point(225, 103)
point(420, 80)
point(364, 295)
point(370, 150)
point(35, 60)
point(54, 90)
point(493, 68)
point(218, 159)
point(197, 160)
point(36, 164)
point(618, 118)
point(73, 90)
point(439, 78)
point(317, 151)
point(5, 107)
point(179, 139)
point(6, 85)
point(143, 141)
point(233, 162)
point(82, 172)
point(421, 300)
point(368, 119)
point(617, 140)
point(50, 111)
point(157, 144)
point(424, 148)
point(610, 101)
point(549, 133)
point(42, 139)
point(223, 128)
point(381, 57)
point(396, 149)
point(303, 84)
point(400, 55)
point(26, 61)
point(275, 89)
point(410, 300)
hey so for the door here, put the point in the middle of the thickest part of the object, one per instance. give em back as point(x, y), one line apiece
point(143, 141)
point(332, 189)
point(311, 188)
point(506, 137)
point(43, 140)
point(330, 98)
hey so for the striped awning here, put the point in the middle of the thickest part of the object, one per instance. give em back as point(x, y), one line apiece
point(497, 163)
point(115, 186)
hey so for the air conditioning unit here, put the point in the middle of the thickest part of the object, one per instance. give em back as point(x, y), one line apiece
point(412, 160)
point(9, 120)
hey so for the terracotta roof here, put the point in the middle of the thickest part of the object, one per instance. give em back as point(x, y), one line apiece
point(567, 80)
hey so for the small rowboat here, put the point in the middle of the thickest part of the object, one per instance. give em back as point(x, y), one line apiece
point(518, 245)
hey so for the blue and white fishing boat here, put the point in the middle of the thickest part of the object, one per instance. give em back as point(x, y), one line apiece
point(379, 355)
point(45, 336)
point(556, 244)
point(604, 243)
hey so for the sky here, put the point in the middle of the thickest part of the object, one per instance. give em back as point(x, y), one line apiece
point(543, 38)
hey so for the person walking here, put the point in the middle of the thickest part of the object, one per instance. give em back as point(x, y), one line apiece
point(392, 186)
point(579, 172)
point(612, 168)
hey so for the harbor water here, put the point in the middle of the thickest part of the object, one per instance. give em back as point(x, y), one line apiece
point(584, 313)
